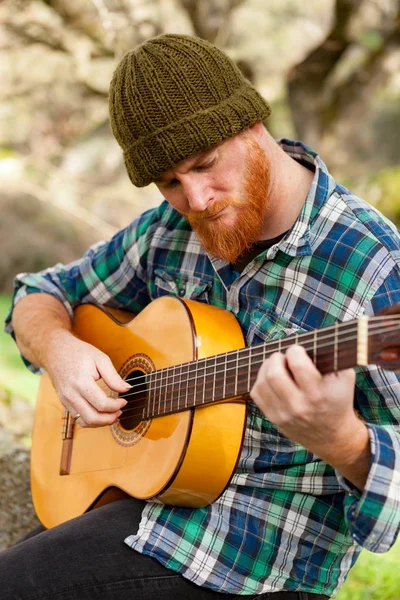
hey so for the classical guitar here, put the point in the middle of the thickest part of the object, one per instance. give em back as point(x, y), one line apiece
point(180, 435)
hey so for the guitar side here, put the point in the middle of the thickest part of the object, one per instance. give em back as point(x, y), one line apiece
point(185, 458)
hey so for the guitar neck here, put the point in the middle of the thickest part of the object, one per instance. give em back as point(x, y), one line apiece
point(230, 375)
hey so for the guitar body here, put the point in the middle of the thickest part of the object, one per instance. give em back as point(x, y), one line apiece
point(186, 458)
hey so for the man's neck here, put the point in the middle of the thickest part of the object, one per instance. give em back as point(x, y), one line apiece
point(289, 187)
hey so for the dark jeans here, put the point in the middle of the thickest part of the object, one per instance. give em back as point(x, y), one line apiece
point(86, 559)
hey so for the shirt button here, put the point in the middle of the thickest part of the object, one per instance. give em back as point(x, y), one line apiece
point(182, 291)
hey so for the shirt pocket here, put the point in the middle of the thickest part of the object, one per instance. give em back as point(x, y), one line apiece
point(180, 284)
point(267, 325)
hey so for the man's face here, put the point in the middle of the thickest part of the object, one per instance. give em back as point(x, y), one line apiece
point(223, 194)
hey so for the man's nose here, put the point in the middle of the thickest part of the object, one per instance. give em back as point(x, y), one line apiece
point(198, 194)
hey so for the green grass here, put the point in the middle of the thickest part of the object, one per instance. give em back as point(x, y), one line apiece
point(375, 576)
point(14, 377)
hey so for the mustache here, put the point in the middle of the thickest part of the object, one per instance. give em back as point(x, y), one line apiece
point(195, 217)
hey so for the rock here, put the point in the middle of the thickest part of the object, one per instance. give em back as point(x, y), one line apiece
point(17, 515)
point(16, 416)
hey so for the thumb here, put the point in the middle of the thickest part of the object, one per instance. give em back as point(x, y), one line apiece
point(110, 376)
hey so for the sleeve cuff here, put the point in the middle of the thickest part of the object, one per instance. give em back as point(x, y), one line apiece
point(373, 515)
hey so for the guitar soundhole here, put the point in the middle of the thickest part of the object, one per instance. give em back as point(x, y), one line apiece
point(132, 413)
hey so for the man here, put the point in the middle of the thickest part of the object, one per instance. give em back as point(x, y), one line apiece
point(261, 229)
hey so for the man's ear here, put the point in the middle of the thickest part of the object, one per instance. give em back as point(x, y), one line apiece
point(257, 130)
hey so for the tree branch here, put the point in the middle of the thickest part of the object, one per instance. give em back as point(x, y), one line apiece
point(306, 80)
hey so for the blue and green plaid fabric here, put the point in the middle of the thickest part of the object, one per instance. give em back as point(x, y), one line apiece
point(287, 520)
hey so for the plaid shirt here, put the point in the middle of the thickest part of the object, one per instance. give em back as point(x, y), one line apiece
point(287, 520)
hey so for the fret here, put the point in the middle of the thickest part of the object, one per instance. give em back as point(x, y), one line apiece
point(200, 379)
point(236, 373)
point(315, 345)
point(163, 390)
point(157, 391)
point(231, 374)
point(196, 366)
point(203, 396)
point(157, 397)
point(166, 391)
point(187, 386)
point(280, 345)
point(335, 348)
point(264, 351)
point(180, 389)
point(220, 383)
point(214, 378)
point(242, 371)
point(249, 372)
point(224, 376)
point(173, 386)
point(154, 390)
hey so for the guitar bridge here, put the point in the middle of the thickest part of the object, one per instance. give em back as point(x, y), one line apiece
point(67, 437)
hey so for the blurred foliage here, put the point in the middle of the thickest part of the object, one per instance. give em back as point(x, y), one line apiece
point(374, 577)
point(385, 187)
point(381, 189)
point(372, 40)
point(14, 377)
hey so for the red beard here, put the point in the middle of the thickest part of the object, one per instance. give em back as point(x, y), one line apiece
point(229, 241)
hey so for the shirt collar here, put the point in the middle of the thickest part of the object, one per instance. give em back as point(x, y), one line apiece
point(297, 240)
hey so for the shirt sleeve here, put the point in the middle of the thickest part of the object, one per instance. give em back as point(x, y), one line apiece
point(373, 515)
point(110, 273)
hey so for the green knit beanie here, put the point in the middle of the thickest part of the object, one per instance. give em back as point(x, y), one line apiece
point(172, 97)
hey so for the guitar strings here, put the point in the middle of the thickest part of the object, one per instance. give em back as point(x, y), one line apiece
point(217, 372)
point(168, 394)
point(137, 410)
point(288, 340)
point(253, 351)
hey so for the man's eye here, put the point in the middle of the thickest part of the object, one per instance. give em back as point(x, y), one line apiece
point(206, 165)
point(171, 184)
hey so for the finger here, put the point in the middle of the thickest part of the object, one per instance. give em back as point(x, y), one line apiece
point(267, 401)
point(345, 375)
point(90, 417)
point(282, 411)
point(108, 373)
point(302, 369)
point(98, 399)
point(98, 420)
point(275, 372)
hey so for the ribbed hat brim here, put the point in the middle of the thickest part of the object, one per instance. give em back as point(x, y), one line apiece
point(165, 148)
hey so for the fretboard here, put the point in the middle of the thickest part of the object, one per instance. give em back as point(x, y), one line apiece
point(230, 375)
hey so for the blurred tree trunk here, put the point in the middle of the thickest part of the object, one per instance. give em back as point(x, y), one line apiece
point(212, 21)
point(318, 105)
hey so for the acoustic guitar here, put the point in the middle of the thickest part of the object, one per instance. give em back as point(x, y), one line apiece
point(180, 435)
